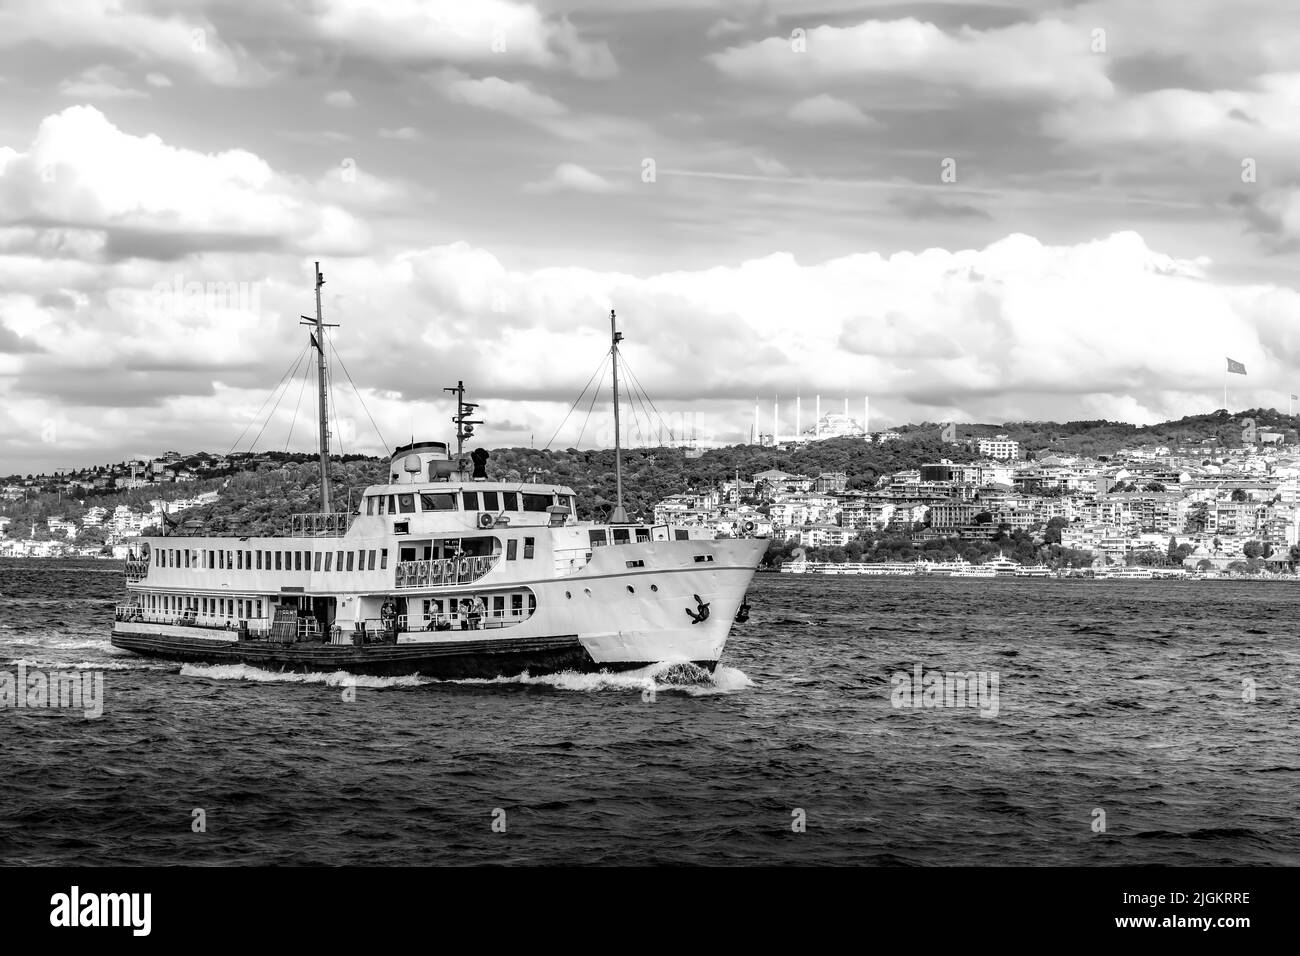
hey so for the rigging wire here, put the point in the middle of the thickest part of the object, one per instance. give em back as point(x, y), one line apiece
point(594, 395)
point(599, 371)
point(293, 421)
point(291, 370)
point(283, 392)
point(356, 391)
point(632, 375)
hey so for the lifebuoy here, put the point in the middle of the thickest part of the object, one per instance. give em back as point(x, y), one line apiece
point(749, 526)
point(465, 567)
point(486, 520)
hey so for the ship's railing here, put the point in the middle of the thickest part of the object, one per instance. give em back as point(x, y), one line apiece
point(444, 571)
point(187, 618)
point(460, 620)
point(315, 524)
point(136, 570)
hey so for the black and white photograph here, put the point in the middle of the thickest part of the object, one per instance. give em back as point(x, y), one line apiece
point(860, 435)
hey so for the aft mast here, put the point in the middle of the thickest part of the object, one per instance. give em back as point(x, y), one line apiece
point(620, 513)
point(318, 342)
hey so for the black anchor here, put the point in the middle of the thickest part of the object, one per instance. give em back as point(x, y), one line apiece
point(701, 607)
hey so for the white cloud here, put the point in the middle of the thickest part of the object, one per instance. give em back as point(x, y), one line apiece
point(570, 177)
point(459, 32)
point(100, 83)
point(514, 98)
point(1046, 58)
point(128, 26)
point(408, 133)
point(340, 99)
point(158, 79)
point(826, 110)
point(81, 171)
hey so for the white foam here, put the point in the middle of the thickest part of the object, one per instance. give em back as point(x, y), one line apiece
point(725, 680)
point(105, 665)
point(247, 672)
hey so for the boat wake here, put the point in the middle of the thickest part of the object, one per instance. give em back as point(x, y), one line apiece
point(134, 664)
point(246, 672)
point(664, 677)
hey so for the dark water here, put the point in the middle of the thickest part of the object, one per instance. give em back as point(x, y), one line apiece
point(1122, 696)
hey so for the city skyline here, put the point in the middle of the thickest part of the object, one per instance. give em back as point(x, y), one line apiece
point(970, 211)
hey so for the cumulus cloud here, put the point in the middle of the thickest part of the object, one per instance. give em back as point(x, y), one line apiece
point(340, 99)
point(132, 27)
point(826, 110)
point(1047, 57)
point(1017, 329)
point(82, 172)
point(570, 177)
point(458, 32)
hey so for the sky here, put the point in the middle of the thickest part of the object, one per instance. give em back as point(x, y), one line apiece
point(969, 211)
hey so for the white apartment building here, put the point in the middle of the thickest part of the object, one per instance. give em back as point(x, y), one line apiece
point(1001, 447)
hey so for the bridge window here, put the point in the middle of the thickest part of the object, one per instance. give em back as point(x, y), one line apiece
point(512, 549)
point(329, 560)
point(349, 560)
point(392, 504)
point(370, 504)
point(511, 500)
point(470, 500)
point(278, 555)
point(383, 558)
point(316, 562)
point(382, 502)
point(406, 504)
point(643, 534)
point(537, 502)
point(681, 534)
point(597, 536)
point(528, 548)
point(370, 566)
point(401, 527)
point(516, 603)
point(437, 501)
point(338, 565)
point(621, 536)
point(490, 502)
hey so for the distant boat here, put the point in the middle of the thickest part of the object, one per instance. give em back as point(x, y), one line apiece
point(1126, 573)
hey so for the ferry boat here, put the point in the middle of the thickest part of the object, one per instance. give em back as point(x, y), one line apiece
point(871, 568)
point(444, 572)
point(1124, 573)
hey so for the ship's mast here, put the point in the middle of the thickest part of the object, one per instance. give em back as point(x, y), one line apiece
point(318, 341)
point(620, 513)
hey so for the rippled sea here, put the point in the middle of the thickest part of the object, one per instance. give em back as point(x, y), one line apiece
point(1119, 702)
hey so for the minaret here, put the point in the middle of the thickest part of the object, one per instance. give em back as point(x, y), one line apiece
point(757, 429)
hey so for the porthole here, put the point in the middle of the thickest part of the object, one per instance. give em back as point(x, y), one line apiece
point(587, 591)
point(654, 587)
point(568, 595)
point(631, 590)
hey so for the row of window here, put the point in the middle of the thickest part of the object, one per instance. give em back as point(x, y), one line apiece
point(468, 500)
point(239, 608)
point(435, 606)
point(360, 560)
